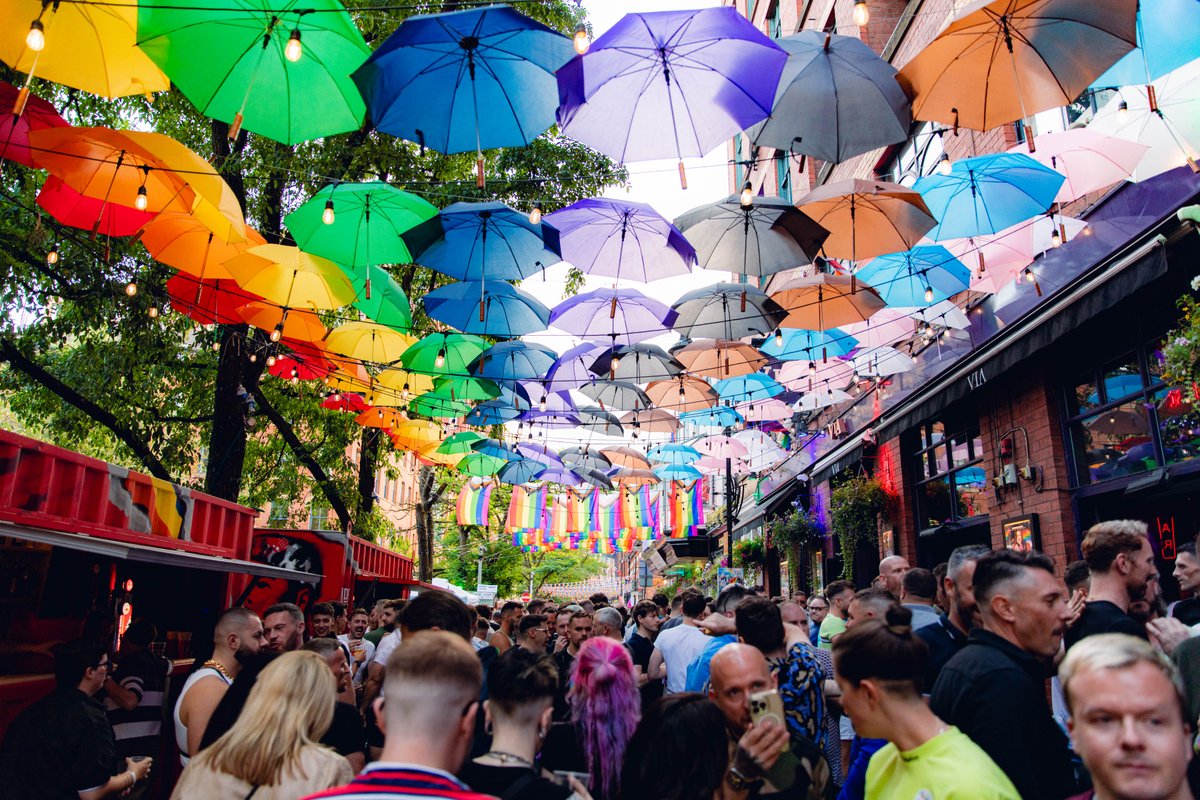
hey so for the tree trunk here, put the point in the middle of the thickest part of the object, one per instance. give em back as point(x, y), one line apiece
point(227, 442)
point(368, 456)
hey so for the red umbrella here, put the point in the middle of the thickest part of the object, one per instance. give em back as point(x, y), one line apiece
point(71, 208)
point(14, 131)
point(292, 367)
point(346, 401)
point(208, 302)
point(311, 353)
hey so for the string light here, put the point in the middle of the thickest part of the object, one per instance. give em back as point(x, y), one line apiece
point(141, 201)
point(1055, 238)
point(580, 39)
point(131, 288)
point(327, 215)
point(293, 50)
point(35, 40)
point(1123, 108)
point(945, 167)
point(216, 346)
point(440, 360)
point(778, 338)
point(152, 312)
point(535, 214)
point(616, 362)
point(1028, 273)
point(747, 196)
point(52, 256)
point(277, 333)
point(542, 403)
point(812, 368)
point(404, 392)
point(253, 358)
point(271, 361)
point(862, 14)
point(928, 294)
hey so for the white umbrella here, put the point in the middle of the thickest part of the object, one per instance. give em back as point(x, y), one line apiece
point(885, 327)
point(770, 410)
point(762, 450)
point(1090, 160)
point(721, 447)
point(815, 401)
point(945, 314)
point(882, 361)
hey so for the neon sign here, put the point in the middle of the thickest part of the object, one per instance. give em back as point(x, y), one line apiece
point(1166, 535)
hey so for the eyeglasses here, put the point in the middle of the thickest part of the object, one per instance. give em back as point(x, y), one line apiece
point(103, 665)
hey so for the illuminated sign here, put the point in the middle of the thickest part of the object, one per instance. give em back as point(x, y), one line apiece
point(1166, 535)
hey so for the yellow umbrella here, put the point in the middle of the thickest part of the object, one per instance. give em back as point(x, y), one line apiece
point(399, 387)
point(290, 323)
point(216, 204)
point(431, 455)
point(419, 434)
point(185, 242)
point(720, 358)
point(369, 342)
point(349, 376)
point(821, 302)
point(88, 46)
point(867, 218)
point(289, 277)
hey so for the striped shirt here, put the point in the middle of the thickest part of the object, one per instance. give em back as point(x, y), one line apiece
point(388, 781)
point(137, 730)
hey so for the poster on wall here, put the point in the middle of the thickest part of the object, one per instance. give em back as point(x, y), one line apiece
point(1021, 533)
point(887, 542)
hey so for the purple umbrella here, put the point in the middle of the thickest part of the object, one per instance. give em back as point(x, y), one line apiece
point(618, 316)
point(669, 84)
point(571, 370)
point(621, 239)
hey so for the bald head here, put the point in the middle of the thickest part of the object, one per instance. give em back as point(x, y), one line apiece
point(892, 570)
point(238, 632)
point(738, 671)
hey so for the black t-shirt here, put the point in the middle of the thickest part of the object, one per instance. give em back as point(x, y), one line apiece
point(1101, 616)
point(496, 780)
point(1187, 611)
point(563, 661)
point(347, 734)
point(562, 751)
point(58, 747)
point(641, 649)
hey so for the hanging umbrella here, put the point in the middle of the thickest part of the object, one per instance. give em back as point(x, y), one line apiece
point(443, 353)
point(886, 326)
point(1004, 60)
point(346, 402)
point(712, 418)
point(418, 434)
point(523, 470)
point(815, 401)
point(233, 60)
point(678, 472)
point(762, 451)
point(801, 344)
point(458, 444)
point(438, 406)
point(717, 466)
point(593, 477)
point(747, 388)
point(882, 361)
point(296, 369)
point(916, 277)
point(621, 395)
point(821, 302)
point(538, 452)
point(598, 420)
point(862, 106)
point(621, 239)
point(616, 316)
point(492, 412)
point(290, 277)
point(480, 465)
point(185, 242)
point(388, 304)
point(761, 237)
point(1170, 126)
point(673, 454)
point(548, 400)
point(496, 449)
point(358, 225)
point(401, 385)
point(73, 209)
point(867, 218)
point(683, 393)
point(986, 194)
point(623, 456)
point(721, 447)
point(208, 302)
point(626, 476)
point(368, 341)
point(489, 308)
point(1165, 41)
point(998, 258)
point(585, 458)
point(459, 387)
point(376, 417)
point(14, 128)
point(640, 363)
point(720, 358)
point(490, 241)
point(86, 46)
point(726, 311)
point(296, 324)
point(650, 420)
point(562, 476)
point(512, 361)
point(772, 410)
point(801, 377)
point(944, 314)
point(571, 369)
point(1089, 160)
point(464, 81)
point(350, 376)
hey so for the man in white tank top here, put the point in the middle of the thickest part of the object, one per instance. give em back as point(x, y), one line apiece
point(239, 632)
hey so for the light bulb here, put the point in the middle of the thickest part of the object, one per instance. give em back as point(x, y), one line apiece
point(862, 14)
point(52, 256)
point(336, 397)
point(253, 358)
point(131, 288)
point(277, 333)
point(812, 368)
point(535, 214)
point(271, 361)
point(1028, 274)
point(141, 200)
point(293, 50)
point(747, 195)
point(1123, 108)
point(404, 392)
point(327, 214)
point(944, 166)
point(35, 40)
point(778, 338)
point(580, 39)
point(616, 361)
point(1055, 238)
point(216, 346)
point(295, 380)
point(928, 294)
point(440, 361)
point(542, 403)
point(152, 312)
point(295, 373)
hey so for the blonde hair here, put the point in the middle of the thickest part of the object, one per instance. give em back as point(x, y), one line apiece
point(1115, 651)
point(289, 709)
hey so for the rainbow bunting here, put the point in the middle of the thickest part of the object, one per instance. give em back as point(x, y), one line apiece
point(526, 510)
point(686, 508)
point(473, 504)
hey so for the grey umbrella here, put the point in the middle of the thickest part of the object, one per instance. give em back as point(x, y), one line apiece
point(621, 395)
point(599, 421)
point(593, 476)
point(726, 311)
point(759, 238)
point(639, 363)
point(585, 458)
point(836, 99)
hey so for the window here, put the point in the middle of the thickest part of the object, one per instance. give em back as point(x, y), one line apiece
point(783, 175)
point(739, 168)
point(775, 23)
point(318, 517)
point(917, 157)
point(950, 478)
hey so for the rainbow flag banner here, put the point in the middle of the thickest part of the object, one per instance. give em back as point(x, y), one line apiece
point(473, 503)
point(526, 510)
point(685, 509)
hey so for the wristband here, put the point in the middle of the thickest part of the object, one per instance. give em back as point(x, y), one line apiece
point(132, 778)
point(737, 781)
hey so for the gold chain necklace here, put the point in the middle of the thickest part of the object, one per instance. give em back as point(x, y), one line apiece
point(219, 667)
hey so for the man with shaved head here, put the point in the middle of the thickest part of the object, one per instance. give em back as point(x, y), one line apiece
point(891, 571)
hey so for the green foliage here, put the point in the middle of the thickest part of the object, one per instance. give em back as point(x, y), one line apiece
point(798, 529)
point(749, 553)
point(1181, 348)
point(854, 508)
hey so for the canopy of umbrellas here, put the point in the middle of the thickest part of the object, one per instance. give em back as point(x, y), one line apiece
point(883, 260)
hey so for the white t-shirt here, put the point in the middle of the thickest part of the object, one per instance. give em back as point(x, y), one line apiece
point(386, 645)
point(364, 646)
point(680, 646)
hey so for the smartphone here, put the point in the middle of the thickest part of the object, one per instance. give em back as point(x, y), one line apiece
point(765, 706)
point(563, 776)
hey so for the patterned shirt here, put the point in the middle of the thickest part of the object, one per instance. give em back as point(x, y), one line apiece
point(801, 686)
point(395, 781)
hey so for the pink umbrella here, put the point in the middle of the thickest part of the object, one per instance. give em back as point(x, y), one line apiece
point(995, 260)
point(770, 410)
point(710, 465)
point(1090, 160)
point(14, 130)
point(721, 447)
point(885, 327)
point(805, 376)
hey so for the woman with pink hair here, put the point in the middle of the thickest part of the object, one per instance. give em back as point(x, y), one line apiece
point(605, 709)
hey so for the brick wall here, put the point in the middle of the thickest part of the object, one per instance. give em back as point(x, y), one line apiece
point(888, 469)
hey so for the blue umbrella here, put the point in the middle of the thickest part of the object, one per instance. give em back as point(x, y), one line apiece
point(747, 388)
point(715, 417)
point(523, 471)
point(493, 412)
point(466, 80)
point(572, 369)
point(1166, 36)
point(918, 277)
point(987, 194)
point(673, 454)
point(563, 476)
point(485, 241)
point(801, 344)
point(677, 472)
point(622, 239)
point(492, 308)
point(496, 449)
point(513, 361)
point(669, 84)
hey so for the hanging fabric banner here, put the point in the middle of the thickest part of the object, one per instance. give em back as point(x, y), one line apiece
point(527, 510)
point(686, 508)
point(473, 503)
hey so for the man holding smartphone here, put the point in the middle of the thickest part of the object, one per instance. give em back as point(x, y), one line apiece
point(740, 671)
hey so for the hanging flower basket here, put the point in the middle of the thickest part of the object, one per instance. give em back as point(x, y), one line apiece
point(854, 509)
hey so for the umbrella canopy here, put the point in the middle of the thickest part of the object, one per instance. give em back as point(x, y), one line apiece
point(621, 239)
point(14, 130)
point(720, 358)
point(489, 308)
point(523, 470)
point(801, 344)
point(623, 456)
point(726, 311)
point(187, 243)
point(376, 417)
point(616, 316)
point(721, 447)
point(538, 452)
point(296, 324)
point(773, 410)
point(683, 393)
point(650, 420)
point(71, 208)
point(598, 420)
point(418, 434)
point(87, 46)
point(208, 302)
point(465, 81)
point(459, 443)
point(593, 477)
point(490, 241)
point(673, 454)
point(1089, 160)
point(886, 326)
point(918, 277)
point(629, 476)
point(458, 387)
point(443, 353)
point(748, 388)
point(861, 104)
point(669, 84)
point(761, 449)
point(801, 377)
point(821, 302)
point(867, 218)
point(678, 472)
point(480, 465)
point(816, 400)
point(718, 466)
point(493, 412)
point(585, 457)
point(513, 361)
point(387, 304)
point(438, 406)
point(572, 369)
point(640, 363)
point(368, 341)
point(401, 385)
point(1003, 60)
point(562, 476)
point(295, 368)
point(230, 59)
point(346, 402)
point(881, 361)
point(760, 238)
point(496, 449)
point(290, 277)
point(620, 395)
point(986, 194)
point(712, 418)
point(945, 314)
point(1165, 42)
point(998, 258)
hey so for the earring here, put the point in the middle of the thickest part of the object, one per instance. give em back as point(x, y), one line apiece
point(487, 727)
point(541, 733)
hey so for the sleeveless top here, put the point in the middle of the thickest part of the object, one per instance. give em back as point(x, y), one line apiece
point(180, 728)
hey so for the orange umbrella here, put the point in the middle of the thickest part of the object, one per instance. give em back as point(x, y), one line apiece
point(294, 323)
point(349, 376)
point(651, 420)
point(185, 242)
point(418, 435)
point(867, 218)
point(216, 204)
point(381, 418)
point(821, 302)
point(1003, 60)
point(684, 393)
point(720, 358)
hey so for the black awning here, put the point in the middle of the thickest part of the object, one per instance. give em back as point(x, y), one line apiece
point(770, 504)
point(847, 459)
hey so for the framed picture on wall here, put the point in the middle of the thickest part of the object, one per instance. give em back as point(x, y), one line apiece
point(887, 542)
point(1021, 533)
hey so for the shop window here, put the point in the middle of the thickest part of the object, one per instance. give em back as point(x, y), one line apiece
point(951, 481)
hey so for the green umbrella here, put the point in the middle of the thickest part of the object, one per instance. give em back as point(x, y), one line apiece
point(457, 444)
point(480, 465)
point(233, 59)
point(359, 225)
point(454, 351)
point(457, 387)
point(431, 404)
point(387, 303)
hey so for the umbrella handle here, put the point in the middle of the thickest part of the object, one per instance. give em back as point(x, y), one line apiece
point(19, 104)
point(682, 176)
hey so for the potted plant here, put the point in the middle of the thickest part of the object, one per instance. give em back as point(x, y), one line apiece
point(749, 553)
point(854, 509)
point(1181, 348)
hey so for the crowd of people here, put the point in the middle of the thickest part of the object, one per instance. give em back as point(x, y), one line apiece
point(991, 677)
